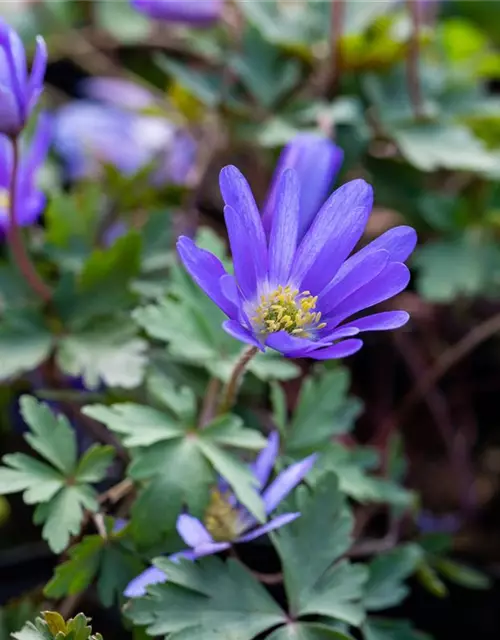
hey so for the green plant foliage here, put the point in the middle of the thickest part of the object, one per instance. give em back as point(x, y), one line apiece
point(52, 626)
point(177, 463)
point(314, 584)
point(60, 484)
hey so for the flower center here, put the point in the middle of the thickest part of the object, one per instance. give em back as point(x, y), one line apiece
point(4, 199)
point(221, 518)
point(285, 309)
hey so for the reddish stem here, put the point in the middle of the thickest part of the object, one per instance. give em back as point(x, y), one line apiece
point(14, 237)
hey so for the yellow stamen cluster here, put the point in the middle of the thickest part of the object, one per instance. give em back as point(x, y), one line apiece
point(4, 199)
point(220, 518)
point(285, 309)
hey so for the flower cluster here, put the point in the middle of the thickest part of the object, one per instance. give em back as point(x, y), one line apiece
point(226, 522)
point(19, 93)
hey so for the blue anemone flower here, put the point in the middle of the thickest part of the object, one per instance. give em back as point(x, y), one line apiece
point(226, 522)
point(293, 291)
point(30, 200)
point(19, 92)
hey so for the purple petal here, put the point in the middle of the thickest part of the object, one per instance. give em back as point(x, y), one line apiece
point(206, 270)
point(346, 331)
point(192, 531)
point(194, 12)
point(246, 231)
point(332, 236)
point(137, 587)
point(118, 92)
point(264, 464)
point(393, 279)
point(229, 288)
point(242, 254)
point(285, 482)
point(119, 524)
point(208, 549)
point(285, 343)
point(351, 277)
point(276, 523)
point(35, 82)
point(399, 242)
point(236, 330)
point(384, 321)
point(316, 160)
point(10, 116)
point(283, 239)
point(340, 350)
point(39, 146)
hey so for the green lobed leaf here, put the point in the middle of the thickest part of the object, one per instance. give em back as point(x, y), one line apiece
point(310, 545)
point(94, 463)
point(24, 344)
point(321, 411)
point(354, 480)
point(176, 474)
point(109, 352)
point(239, 477)
point(38, 481)
point(63, 514)
point(137, 425)
point(76, 574)
point(385, 586)
point(51, 436)
point(180, 400)
point(103, 285)
point(307, 631)
point(239, 607)
point(228, 431)
point(376, 628)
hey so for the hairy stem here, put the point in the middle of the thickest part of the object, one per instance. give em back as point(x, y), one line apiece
point(231, 389)
point(14, 237)
point(209, 406)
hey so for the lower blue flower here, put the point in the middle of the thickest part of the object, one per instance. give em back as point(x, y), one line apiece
point(294, 293)
point(226, 522)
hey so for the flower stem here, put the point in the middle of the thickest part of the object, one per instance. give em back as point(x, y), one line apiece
point(231, 389)
point(14, 237)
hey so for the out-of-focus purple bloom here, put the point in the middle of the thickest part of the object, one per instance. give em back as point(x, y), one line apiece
point(89, 134)
point(192, 12)
point(294, 294)
point(118, 92)
point(19, 92)
point(228, 523)
point(29, 199)
point(444, 523)
point(317, 161)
